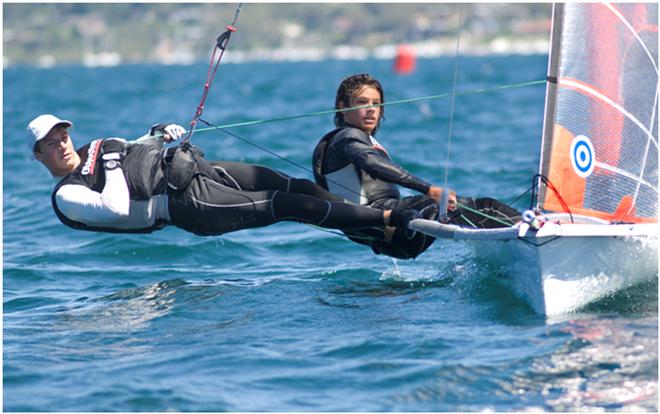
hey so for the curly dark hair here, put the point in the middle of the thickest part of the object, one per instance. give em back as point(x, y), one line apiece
point(351, 86)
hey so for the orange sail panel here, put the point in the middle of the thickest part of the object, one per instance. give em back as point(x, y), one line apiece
point(570, 185)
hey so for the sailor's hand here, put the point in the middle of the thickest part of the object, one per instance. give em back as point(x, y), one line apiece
point(436, 194)
point(169, 132)
point(114, 146)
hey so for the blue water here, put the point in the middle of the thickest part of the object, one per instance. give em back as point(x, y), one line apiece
point(288, 317)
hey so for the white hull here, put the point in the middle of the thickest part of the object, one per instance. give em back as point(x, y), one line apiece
point(563, 267)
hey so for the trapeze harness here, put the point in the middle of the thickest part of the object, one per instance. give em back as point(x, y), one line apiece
point(352, 164)
point(155, 187)
point(93, 198)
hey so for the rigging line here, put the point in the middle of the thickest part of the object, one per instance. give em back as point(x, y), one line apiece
point(396, 102)
point(486, 215)
point(515, 200)
point(220, 45)
point(545, 180)
point(247, 141)
point(464, 217)
point(356, 233)
point(273, 153)
point(302, 167)
point(236, 13)
point(445, 194)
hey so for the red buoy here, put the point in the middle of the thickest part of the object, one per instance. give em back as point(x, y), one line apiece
point(404, 62)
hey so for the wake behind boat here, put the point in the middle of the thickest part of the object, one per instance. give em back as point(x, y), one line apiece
point(594, 228)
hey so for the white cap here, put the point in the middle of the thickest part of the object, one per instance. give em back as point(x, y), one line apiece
point(41, 126)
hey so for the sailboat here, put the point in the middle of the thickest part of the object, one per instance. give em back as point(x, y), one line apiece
point(593, 227)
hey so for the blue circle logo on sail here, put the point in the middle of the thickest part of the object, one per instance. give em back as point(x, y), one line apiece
point(583, 156)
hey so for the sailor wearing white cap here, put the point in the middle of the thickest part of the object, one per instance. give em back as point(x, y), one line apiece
point(137, 187)
point(51, 144)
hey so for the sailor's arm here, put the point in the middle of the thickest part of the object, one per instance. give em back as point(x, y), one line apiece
point(84, 205)
point(159, 134)
point(378, 166)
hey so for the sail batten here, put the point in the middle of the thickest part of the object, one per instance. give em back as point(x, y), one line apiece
point(571, 83)
point(600, 147)
point(626, 174)
point(633, 31)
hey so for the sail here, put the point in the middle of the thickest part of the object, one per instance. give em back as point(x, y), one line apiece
point(600, 143)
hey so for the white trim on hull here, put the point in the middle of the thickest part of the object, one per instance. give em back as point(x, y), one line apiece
point(562, 267)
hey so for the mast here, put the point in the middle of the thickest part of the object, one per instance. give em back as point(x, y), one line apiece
point(550, 97)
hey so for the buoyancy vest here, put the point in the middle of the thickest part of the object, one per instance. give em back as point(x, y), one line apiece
point(142, 169)
point(335, 171)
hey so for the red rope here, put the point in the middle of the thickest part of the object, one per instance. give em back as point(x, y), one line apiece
point(563, 203)
point(210, 77)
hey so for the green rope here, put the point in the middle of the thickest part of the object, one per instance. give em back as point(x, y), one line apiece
point(397, 102)
point(469, 221)
point(488, 216)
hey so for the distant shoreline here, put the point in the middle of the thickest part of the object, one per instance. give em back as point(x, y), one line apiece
point(433, 49)
point(98, 34)
point(424, 50)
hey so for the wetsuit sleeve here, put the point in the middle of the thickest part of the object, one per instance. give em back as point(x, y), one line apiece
point(378, 166)
point(84, 205)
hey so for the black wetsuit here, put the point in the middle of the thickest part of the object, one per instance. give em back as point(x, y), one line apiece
point(355, 166)
point(239, 196)
point(350, 163)
point(180, 187)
